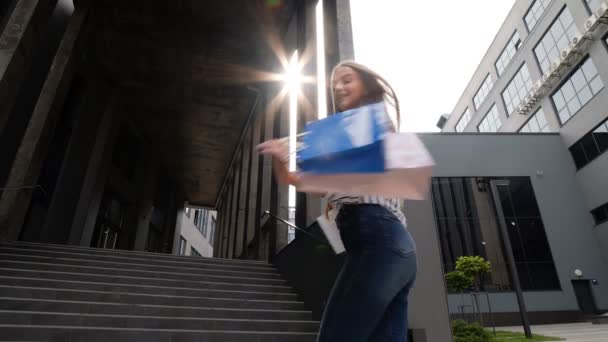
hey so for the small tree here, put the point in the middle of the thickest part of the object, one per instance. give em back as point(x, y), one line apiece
point(473, 267)
point(458, 281)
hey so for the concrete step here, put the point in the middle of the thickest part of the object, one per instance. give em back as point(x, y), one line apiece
point(188, 262)
point(116, 308)
point(600, 319)
point(46, 263)
point(18, 317)
point(153, 257)
point(86, 334)
point(107, 296)
point(48, 280)
point(59, 272)
point(13, 253)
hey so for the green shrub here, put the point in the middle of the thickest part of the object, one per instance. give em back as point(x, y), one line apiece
point(469, 332)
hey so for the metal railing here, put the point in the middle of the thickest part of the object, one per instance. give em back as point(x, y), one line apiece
point(25, 187)
point(267, 213)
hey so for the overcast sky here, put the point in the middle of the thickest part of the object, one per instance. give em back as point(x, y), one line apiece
point(427, 50)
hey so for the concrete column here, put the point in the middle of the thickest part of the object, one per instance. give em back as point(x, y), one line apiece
point(172, 212)
point(346, 47)
point(234, 211)
point(230, 214)
point(31, 153)
point(429, 315)
point(252, 181)
point(263, 178)
point(242, 190)
point(66, 196)
point(282, 205)
point(338, 32)
point(94, 171)
point(178, 231)
point(106, 140)
point(219, 229)
point(17, 45)
point(146, 188)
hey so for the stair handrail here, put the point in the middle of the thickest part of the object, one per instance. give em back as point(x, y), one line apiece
point(25, 187)
point(269, 214)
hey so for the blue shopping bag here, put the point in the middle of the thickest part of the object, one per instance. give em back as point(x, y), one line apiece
point(347, 142)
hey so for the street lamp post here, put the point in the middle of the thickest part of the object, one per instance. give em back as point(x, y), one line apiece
point(502, 226)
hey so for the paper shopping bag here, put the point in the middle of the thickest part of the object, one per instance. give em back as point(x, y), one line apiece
point(408, 173)
point(347, 142)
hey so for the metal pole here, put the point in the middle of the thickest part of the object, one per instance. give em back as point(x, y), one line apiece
point(502, 226)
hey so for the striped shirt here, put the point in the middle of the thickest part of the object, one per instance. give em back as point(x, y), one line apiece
point(392, 204)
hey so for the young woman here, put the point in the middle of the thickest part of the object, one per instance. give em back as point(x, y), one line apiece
point(369, 299)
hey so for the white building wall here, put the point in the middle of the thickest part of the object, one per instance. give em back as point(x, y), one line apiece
point(194, 238)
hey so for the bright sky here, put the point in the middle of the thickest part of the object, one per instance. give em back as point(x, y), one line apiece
point(427, 50)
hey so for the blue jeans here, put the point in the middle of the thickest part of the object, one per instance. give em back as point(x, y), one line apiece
point(369, 299)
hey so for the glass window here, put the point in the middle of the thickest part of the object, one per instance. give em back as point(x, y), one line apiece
point(467, 225)
point(212, 231)
point(537, 124)
point(535, 12)
point(507, 54)
point(182, 246)
point(483, 91)
point(464, 121)
point(594, 5)
point(204, 223)
point(518, 88)
point(577, 90)
point(197, 216)
point(555, 40)
point(591, 145)
point(491, 122)
point(194, 252)
point(600, 214)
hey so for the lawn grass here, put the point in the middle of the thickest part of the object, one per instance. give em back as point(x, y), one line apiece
point(507, 336)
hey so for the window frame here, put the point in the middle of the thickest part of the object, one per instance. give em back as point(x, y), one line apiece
point(540, 109)
point(483, 83)
point(567, 78)
point(183, 245)
point(467, 112)
point(504, 50)
point(509, 83)
point(589, 10)
point(485, 116)
point(212, 231)
point(195, 253)
point(603, 207)
point(579, 141)
point(540, 41)
point(530, 29)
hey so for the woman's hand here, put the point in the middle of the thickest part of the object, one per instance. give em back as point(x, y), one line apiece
point(277, 148)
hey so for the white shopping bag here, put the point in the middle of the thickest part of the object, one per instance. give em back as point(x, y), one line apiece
point(408, 173)
point(330, 229)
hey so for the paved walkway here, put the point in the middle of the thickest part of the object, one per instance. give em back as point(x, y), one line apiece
point(574, 332)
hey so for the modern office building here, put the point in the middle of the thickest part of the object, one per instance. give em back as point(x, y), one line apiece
point(195, 232)
point(544, 73)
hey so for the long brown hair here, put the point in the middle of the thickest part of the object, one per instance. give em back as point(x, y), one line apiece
point(377, 88)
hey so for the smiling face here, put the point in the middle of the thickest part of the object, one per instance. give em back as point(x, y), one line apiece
point(348, 87)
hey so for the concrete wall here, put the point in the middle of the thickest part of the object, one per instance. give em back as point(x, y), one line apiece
point(568, 224)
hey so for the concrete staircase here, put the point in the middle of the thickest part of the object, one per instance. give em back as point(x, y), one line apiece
point(74, 294)
point(600, 319)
